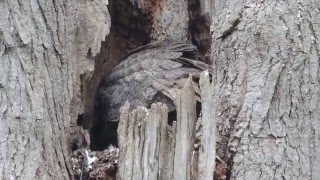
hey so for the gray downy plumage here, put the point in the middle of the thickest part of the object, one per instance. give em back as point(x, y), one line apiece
point(152, 73)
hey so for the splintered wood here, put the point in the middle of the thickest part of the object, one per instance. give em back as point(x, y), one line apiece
point(152, 149)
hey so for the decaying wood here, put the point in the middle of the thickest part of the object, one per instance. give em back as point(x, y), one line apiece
point(151, 149)
point(207, 151)
point(141, 131)
point(186, 122)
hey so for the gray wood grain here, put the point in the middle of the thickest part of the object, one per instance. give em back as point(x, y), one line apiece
point(151, 149)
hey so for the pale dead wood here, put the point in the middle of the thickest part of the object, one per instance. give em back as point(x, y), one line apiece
point(149, 149)
point(166, 144)
point(186, 121)
point(207, 152)
point(122, 140)
point(139, 142)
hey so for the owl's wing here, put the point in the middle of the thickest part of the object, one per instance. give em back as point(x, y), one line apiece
point(157, 55)
point(158, 68)
point(188, 57)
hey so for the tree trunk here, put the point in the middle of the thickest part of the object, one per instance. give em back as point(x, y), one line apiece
point(266, 59)
point(267, 92)
point(44, 48)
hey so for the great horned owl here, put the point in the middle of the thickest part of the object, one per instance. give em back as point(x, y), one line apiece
point(152, 73)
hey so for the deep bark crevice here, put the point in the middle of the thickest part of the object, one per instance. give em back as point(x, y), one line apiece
point(231, 29)
point(199, 29)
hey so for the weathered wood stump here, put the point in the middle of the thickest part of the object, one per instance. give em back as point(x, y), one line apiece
point(152, 149)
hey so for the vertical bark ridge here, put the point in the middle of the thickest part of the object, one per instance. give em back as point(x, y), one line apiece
point(43, 50)
point(268, 87)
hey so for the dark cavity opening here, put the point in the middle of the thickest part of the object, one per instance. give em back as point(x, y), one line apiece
point(199, 28)
point(172, 115)
point(130, 28)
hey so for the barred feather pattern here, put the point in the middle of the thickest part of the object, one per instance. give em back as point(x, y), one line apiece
point(152, 73)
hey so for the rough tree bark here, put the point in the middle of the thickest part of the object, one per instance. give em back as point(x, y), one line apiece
point(266, 57)
point(44, 47)
point(169, 18)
